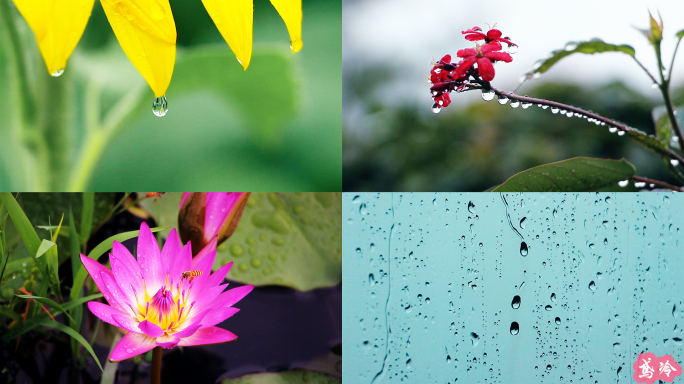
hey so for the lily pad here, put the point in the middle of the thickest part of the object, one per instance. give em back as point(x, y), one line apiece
point(288, 377)
point(579, 174)
point(290, 239)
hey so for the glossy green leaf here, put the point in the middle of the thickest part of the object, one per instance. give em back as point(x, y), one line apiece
point(585, 47)
point(44, 246)
point(579, 174)
point(287, 377)
point(74, 244)
point(87, 215)
point(22, 224)
point(212, 69)
point(98, 251)
point(69, 331)
point(23, 327)
point(290, 239)
point(680, 34)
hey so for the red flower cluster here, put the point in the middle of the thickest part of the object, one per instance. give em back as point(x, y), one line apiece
point(477, 63)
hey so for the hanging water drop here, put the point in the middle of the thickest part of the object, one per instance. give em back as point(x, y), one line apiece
point(371, 280)
point(544, 106)
point(516, 302)
point(563, 112)
point(674, 162)
point(515, 328)
point(160, 106)
point(640, 184)
point(487, 95)
point(523, 248)
point(612, 129)
point(522, 222)
point(526, 105)
point(503, 99)
point(570, 46)
point(436, 108)
point(515, 103)
point(471, 207)
point(512, 48)
point(569, 114)
point(554, 110)
point(592, 286)
point(57, 73)
point(558, 320)
point(548, 307)
point(621, 133)
point(623, 183)
point(553, 297)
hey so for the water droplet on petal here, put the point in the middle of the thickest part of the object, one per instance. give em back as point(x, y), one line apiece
point(57, 73)
point(487, 95)
point(436, 108)
point(503, 99)
point(512, 49)
point(296, 46)
point(160, 106)
point(515, 328)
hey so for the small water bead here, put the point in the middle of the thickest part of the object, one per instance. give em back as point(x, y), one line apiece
point(554, 110)
point(536, 75)
point(503, 99)
point(515, 328)
point(553, 297)
point(516, 302)
point(537, 64)
point(621, 133)
point(558, 320)
point(623, 183)
point(592, 286)
point(569, 114)
point(523, 248)
point(612, 129)
point(160, 106)
point(296, 45)
point(674, 162)
point(515, 103)
point(526, 105)
point(436, 108)
point(57, 73)
point(570, 46)
point(512, 49)
point(563, 112)
point(640, 184)
point(488, 95)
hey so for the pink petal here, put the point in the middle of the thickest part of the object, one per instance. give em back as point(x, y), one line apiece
point(171, 248)
point(131, 345)
point(182, 264)
point(218, 206)
point(188, 331)
point(217, 277)
point(485, 68)
point(466, 52)
point(151, 264)
point(96, 270)
point(209, 335)
point(125, 278)
point(104, 312)
point(232, 296)
point(493, 34)
point(204, 300)
point(168, 341)
point(150, 329)
point(117, 297)
point(209, 248)
point(185, 197)
point(125, 256)
point(198, 283)
point(126, 322)
point(490, 47)
point(216, 316)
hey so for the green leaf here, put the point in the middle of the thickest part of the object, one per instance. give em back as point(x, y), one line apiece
point(21, 328)
point(98, 251)
point(579, 174)
point(586, 47)
point(87, 215)
point(75, 335)
point(290, 239)
point(680, 34)
point(47, 302)
point(287, 377)
point(23, 225)
point(74, 244)
point(215, 69)
point(44, 246)
point(663, 127)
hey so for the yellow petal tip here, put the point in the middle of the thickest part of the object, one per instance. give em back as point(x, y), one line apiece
point(296, 46)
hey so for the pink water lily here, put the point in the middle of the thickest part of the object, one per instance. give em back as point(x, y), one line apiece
point(163, 298)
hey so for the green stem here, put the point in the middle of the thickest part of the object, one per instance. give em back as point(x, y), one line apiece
point(57, 124)
point(665, 90)
point(155, 373)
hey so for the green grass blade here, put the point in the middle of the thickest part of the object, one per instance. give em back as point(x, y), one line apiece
point(75, 247)
point(75, 335)
point(23, 225)
point(48, 302)
point(87, 216)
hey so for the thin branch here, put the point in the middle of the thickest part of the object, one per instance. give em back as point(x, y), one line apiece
point(658, 183)
point(646, 70)
point(674, 54)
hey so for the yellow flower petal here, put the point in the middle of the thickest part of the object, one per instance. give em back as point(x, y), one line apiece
point(291, 12)
point(234, 19)
point(58, 26)
point(147, 33)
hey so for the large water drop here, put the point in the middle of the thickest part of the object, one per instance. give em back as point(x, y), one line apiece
point(503, 99)
point(488, 95)
point(160, 106)
point(515, 328)
point(516, 302)
point(592, 286)
point(57, 73)
point(436, 108)
point(515, 103)
point(523, 248)
point(558, 320)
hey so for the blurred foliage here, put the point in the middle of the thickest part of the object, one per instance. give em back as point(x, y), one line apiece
point(481, 145)
point(289, 377)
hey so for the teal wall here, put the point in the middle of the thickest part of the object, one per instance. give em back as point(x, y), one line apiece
point(429, 281)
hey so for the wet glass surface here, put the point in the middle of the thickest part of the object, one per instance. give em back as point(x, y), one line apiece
point(446, 288)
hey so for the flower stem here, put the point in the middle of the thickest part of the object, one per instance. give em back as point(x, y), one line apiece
point(155, 374)
point(665, 90)
point(579, 111)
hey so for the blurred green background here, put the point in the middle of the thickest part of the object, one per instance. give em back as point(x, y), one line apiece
point(476, 146)
point(275, 127)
